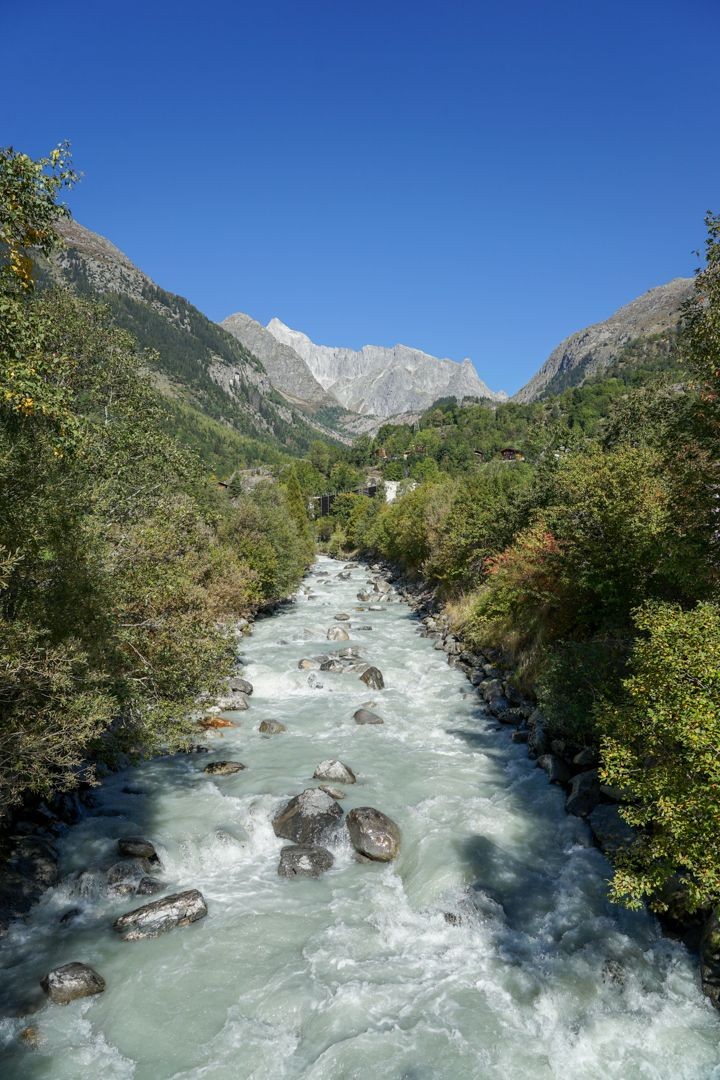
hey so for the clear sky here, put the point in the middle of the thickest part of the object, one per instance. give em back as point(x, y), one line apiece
point(474, 179)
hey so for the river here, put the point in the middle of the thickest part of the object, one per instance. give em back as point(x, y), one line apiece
point(358, 975)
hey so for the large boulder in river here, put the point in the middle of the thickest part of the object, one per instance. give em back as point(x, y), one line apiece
point(157, 918)
point(308, 818)
point(304, 860)
point(235, 702)
point(124, 877)
point(334, 770)
point(223, 768)
point(133, 847)
point(584, 793)
point(611, 832)
point(338, 633)
point(710, 958)
point(71, 981)
point(373, 834)
point(271, 727)
point(367, 716)
point(373, 678)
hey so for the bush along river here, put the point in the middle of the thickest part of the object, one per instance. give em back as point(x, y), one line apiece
point(362, 877)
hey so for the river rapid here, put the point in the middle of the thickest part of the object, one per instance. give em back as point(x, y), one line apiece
point(359, 974)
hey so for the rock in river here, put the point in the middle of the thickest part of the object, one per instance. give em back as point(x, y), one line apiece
point(304, 860)
point(334, 770)
point(241, 686)
point(366, 716)
point(338, 633)
point(71, 981)
point(223, 768)
point(373, 678)
point(157, 918)
point(373, 834)
point(308, 818)
point(271, 727)
point(134, 847)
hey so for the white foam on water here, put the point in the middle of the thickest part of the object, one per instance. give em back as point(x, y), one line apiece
point(358, 975)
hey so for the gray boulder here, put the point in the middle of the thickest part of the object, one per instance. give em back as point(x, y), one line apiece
point(236, 702)
point(610, 830)
point(308, 818)
point(333, 792)
point(338, 633)
point(304, 860)
point(373, 834)
point(71, 981)
point(373, 678)
point(241, 686)
point(271, 727)
point(308, 665)
point(366, 716)
point(334, 770)
point(134, 847)
point(342, 617)
point(584, 793)
point(538, 742)
point(556, 769)
point(223, 768)
point(157, 918)
point(123, 878)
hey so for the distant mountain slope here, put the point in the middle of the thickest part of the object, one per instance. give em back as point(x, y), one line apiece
point(588, 352)
point(198, 363)
point(288, 372)
point(383, 381)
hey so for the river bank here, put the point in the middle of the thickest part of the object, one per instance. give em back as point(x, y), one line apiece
point(487, 947)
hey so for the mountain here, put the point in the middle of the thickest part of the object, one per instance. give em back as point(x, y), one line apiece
point(288, 372)
point(383, 381)
point(200, 368)
point(651, 319)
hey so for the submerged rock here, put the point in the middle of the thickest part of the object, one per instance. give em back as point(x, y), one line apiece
point(308, 817)
point(366, 716)
point(304, 860)
point(224, 768)
point(373, 834)
point(71, 981)
point(271, 727)
point(334, 770)
point(157, 918)
point(373, 678)
point(136, 848)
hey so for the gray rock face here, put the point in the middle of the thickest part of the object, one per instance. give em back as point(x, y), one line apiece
point(71, 981)
point(592, 350)
point(383, 381)
point(288, 372)
point(304, 860)
point(308, 818)
point(373, 678)
point(373, 834)
point(157, 918)
point(224, 768)
point(367, 716)
point(134, 847)
point(334, 770)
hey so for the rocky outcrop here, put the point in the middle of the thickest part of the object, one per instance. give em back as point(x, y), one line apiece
point(373, 834)
point(383, 381)
point(308, 818)
point(157, 918)
point(71, 981)
point(590, 351)
point(304, 860)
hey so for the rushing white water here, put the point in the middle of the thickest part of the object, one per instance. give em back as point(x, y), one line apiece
point(358, 975)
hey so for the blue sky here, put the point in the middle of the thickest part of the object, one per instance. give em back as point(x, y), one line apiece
point(474, 179)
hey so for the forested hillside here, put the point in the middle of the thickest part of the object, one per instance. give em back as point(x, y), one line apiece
point(588, 553)
point(121, 565)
